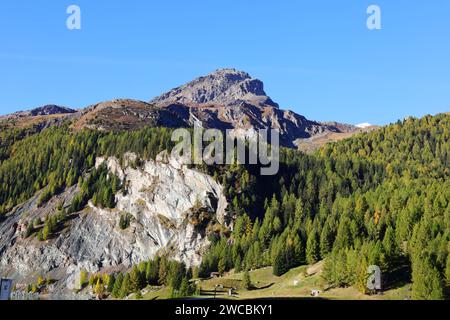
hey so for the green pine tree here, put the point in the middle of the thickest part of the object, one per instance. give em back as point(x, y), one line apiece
point(125, 288)
point(427, 282)
point(312, 248)
point(117, 286)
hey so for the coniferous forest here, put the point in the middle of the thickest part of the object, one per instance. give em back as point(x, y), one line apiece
point(378, 198)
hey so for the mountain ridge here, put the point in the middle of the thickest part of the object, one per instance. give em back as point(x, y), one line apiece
point(224, 99)
point(232, 99)
point(45, 110)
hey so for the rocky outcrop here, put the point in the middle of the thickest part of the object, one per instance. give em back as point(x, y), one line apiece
point(163, 199)
point(46, 110)
point(38, 119)
point(225, 87)
point(51, 109)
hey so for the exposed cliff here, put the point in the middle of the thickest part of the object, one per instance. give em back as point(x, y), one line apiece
point(172, 210)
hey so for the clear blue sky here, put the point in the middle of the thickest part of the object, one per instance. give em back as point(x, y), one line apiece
point(315, 57)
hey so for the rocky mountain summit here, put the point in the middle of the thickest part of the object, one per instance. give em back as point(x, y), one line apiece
point(231, 99)
point(39, 118)
point(46, 110)
point(50, 109)
point(225, 87)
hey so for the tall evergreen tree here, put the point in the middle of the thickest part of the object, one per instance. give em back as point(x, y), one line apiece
point(312, 248)
point(117, 286)
point(125, 289)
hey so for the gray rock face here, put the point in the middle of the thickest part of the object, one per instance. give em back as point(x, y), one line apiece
point(50, 109)
point(162, 197)
point(25, 259)
point(46, 110)
point(226, 87)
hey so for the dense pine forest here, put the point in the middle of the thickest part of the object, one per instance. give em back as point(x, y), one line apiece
point(380, 198)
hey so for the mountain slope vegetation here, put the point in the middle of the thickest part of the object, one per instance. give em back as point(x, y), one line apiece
point(379, 198)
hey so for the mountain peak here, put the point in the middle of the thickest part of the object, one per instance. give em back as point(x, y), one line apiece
point(226, 72)
point(226, 87)
point(46, 110)
point(50, 109)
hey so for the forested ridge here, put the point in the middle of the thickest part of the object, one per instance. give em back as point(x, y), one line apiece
point(379, 198)
point(57, 158)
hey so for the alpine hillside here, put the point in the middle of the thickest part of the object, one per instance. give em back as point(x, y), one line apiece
point(92, 203)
